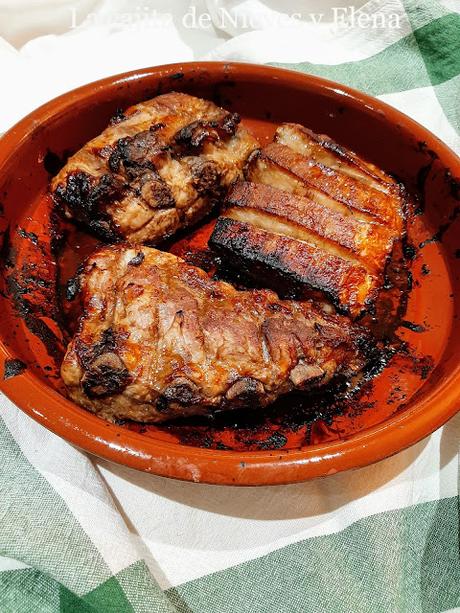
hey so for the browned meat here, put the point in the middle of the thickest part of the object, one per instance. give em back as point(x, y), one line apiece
point(159, 167)
point(314, 217)
point(158, 340)
point(284, 262)
point(323, 150)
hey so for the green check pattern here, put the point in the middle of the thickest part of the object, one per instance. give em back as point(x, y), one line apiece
point(405, 560)
point(430, 56)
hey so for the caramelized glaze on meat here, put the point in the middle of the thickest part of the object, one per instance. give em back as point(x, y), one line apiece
point(158, 339)
point(313, 217)
point(160, 166)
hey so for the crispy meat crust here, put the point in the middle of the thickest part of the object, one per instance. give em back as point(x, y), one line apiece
point(290, 264)
point(312, 217)
point(159, 167)
point(158, 340)
point(350, 236)
point(349, 191)
point(321, 149)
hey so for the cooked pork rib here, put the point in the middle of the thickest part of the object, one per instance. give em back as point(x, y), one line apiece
point(323, 150)
point(299, 223)
point(280, 249)
point(311, 221)
point(158, 339)
point(159, 167)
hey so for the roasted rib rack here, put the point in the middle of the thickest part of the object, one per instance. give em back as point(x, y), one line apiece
point(312, 218)
point(159, 167)
point(158, 339)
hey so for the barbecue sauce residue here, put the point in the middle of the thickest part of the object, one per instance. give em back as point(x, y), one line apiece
point(30, 283)
point(13, 368)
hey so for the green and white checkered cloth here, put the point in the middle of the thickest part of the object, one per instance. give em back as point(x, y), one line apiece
point(78, 534)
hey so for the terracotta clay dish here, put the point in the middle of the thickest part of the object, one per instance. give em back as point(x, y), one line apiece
point(416, 392)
